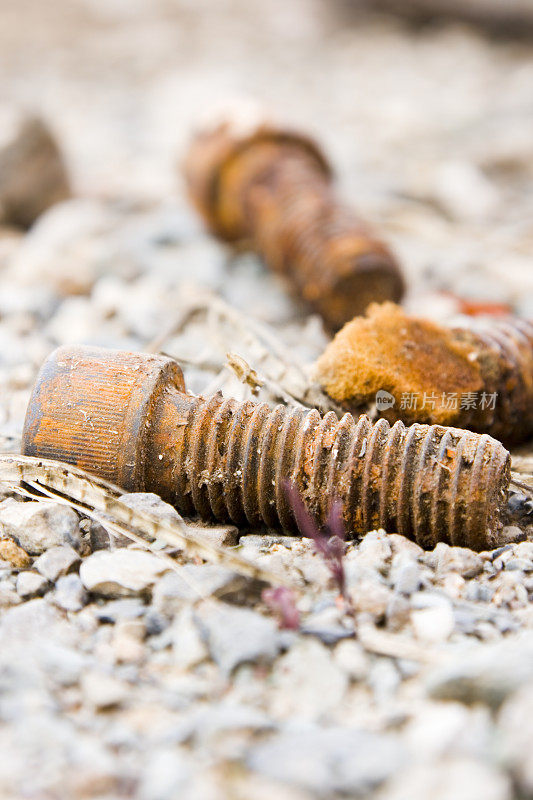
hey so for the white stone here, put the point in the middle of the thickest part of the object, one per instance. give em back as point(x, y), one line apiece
point(237, 635)
point(188, 647)
point(56, 561)
point(102, 690)
point(307, 682)
point(31, 584)
point(433, 624)
point(36, 526)
point(121, 573)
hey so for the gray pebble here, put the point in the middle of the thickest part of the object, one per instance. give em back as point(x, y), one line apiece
point(118, 610)
point(39, 526)
point(327, 626)
point(398, 612)
point(237, 635)
point(185, 638)
point(150, 503)
point(521, 564)
point(155, 622)
point(219, 535)
point(511, 533)
point(57, 561)
point(455, 559)
point(70, 593)
point(101, 539)
point(407, 578)
point(327, 760)
point(31, 584)
point(479, 592)
point(121, 573)
point(193, 582)
point(485, 674)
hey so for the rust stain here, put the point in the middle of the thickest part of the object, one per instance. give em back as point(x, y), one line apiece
point(478, 378)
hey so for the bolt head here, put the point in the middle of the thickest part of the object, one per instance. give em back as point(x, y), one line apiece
point(94, 408)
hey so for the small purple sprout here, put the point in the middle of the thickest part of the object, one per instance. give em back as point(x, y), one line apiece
point(282, 602)
point(330, 544)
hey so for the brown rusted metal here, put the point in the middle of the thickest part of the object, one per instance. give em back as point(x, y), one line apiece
point(127, 418)
point(478, 377)
point(505, 355)
point(273, 188)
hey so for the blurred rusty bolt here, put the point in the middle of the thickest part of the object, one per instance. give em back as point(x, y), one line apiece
point(272, 188)
point(127, 418)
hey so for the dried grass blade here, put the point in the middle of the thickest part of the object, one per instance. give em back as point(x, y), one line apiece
point(89, 494)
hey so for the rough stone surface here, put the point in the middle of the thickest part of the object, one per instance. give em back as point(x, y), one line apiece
point(219, 535)
point(151, 503)
point(237, 635)
point(39, 526)
point(57, 561)
point(330, 760)
point(487, 675)
point(31, 584)
point(121, 573)
point(192, 583)
point(70, 593)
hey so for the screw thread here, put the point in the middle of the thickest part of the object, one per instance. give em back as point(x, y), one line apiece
point(429, 483)
point(320, 245)
point(506, 361)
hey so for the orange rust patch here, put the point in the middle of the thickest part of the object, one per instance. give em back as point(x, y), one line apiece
point(388, 350)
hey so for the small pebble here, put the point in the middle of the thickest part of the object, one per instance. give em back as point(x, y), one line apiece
point(102, 691)
point(57, 561)
point(121, 573)
point(237, 635)
point(13, 554)
point(70, 593)
point(31, 584)
point(39, 526)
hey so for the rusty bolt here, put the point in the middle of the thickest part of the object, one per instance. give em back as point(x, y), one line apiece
point(127, 418)
point(272, 188)
point(478, 377)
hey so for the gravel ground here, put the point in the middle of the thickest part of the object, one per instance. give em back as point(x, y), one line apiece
point(120, 677)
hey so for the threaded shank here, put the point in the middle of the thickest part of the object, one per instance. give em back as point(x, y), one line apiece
point(513, 340)
point(426, 482)
point(505, 355)
point(325, 252)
